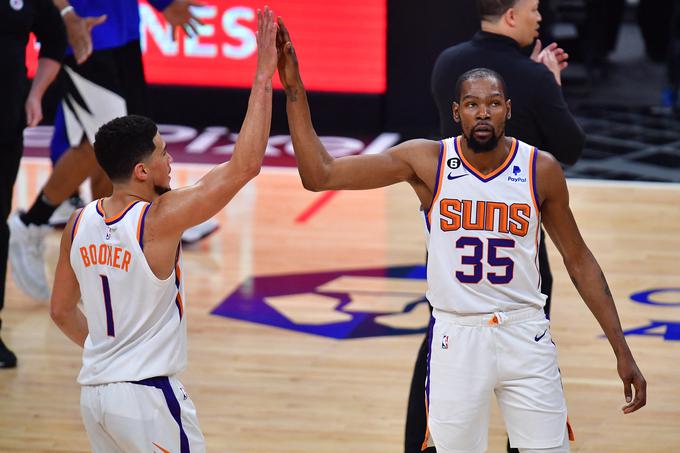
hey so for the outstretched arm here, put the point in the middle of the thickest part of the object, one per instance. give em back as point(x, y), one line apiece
point(586, 274)
point(179, 209)
point(318, 169)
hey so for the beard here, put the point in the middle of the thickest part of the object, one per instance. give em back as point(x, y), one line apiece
point(160, 190)
point(485, 146)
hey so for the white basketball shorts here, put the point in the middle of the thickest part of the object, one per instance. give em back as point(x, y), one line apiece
point(153, 415)
point(510, 354)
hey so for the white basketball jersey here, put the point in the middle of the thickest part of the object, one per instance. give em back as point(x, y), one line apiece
point(135, 320)
point(482, 234)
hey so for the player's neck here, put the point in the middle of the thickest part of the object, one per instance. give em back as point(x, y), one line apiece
point(487, 162)
point(124, 194)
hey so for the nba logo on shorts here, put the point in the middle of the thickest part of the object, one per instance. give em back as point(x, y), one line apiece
point(445, 342)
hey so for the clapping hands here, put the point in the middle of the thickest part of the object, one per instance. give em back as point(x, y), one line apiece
point(552, 56)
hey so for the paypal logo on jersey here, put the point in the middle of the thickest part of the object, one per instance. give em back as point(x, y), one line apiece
point(337, 304)
point(516, 171)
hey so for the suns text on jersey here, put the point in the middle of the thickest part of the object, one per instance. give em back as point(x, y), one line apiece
point(107, 255)
point(484, 215)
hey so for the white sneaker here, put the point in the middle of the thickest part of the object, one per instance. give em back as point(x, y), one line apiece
point(26, 255)
point(61, 215)
point(198, 232)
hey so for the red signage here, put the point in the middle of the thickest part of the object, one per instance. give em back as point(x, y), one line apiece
point(341, 45)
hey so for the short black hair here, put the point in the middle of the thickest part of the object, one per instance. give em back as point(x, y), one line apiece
point(492, 10)
point(480, 73)
point(122, 143)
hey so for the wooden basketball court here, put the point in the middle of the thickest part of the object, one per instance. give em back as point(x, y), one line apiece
point(260, 388)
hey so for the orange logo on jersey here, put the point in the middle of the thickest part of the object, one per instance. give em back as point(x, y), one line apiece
point(487, 216)
point(106, 254)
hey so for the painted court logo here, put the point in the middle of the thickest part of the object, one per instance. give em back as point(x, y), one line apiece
point(516, 171)
point(337, 304)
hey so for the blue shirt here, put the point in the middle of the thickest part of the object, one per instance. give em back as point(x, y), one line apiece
point(121, 25)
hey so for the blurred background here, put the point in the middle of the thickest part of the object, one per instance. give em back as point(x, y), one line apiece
point(368, 63)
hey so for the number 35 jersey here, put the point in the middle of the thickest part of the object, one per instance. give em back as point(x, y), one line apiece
point(136, 321)
point(482, 234)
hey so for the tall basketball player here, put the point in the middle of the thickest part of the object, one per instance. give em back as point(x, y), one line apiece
point(122, 256)
point(483, 196)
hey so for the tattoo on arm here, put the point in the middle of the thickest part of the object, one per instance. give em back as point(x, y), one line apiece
point(292, 95)
point(607, 291)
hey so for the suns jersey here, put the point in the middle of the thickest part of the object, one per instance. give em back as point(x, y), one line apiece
point(482, 234)
point(136, 321)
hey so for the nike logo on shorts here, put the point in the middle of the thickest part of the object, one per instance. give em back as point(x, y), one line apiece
point(538, 338)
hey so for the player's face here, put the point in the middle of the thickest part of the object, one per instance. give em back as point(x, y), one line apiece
point(527, 20)
point(482, 112)
point(160, 166)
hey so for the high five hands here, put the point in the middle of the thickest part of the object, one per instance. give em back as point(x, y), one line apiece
point(266, 43)
point(289, 71)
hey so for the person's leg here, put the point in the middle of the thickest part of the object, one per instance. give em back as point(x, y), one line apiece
point(91, 413)
point(155, 412)
point(72, 168)
point(671, 95)
point(416, 416)
point(529, 391)
point(564, 448)
point(462, 374)
point(30, 228)
point(10, 157)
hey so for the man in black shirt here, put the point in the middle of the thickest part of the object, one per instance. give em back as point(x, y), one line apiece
point(18, 18)
point(540, 117)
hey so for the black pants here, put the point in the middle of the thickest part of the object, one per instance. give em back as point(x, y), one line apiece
point(416, 418)
point(10, 156)
point(673, 61)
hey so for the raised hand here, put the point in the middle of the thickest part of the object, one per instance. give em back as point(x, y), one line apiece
point(79, 33)
point(178, 14)
point(631, 376)
point(553, 57)
point(289, 70)
point(266, 43)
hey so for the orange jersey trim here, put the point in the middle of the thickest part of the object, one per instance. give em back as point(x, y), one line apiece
point(117, 217)
point(532, 177)
point(76, 224)
point(502, 167)
point(140, 225)
point(163, 450)
point(438, 187)
point(423, 447)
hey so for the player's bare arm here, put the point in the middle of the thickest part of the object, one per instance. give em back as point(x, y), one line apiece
point(586, 273)
point(66, 292)
point(179, 209)
point(414, 161)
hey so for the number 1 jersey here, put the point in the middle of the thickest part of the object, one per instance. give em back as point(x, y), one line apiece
point(136, 321)
point(482, 234)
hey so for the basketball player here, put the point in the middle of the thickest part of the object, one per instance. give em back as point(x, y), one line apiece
point(122, 255)
point(483, 196)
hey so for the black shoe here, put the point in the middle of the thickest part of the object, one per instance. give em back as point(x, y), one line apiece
point(7, 357)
